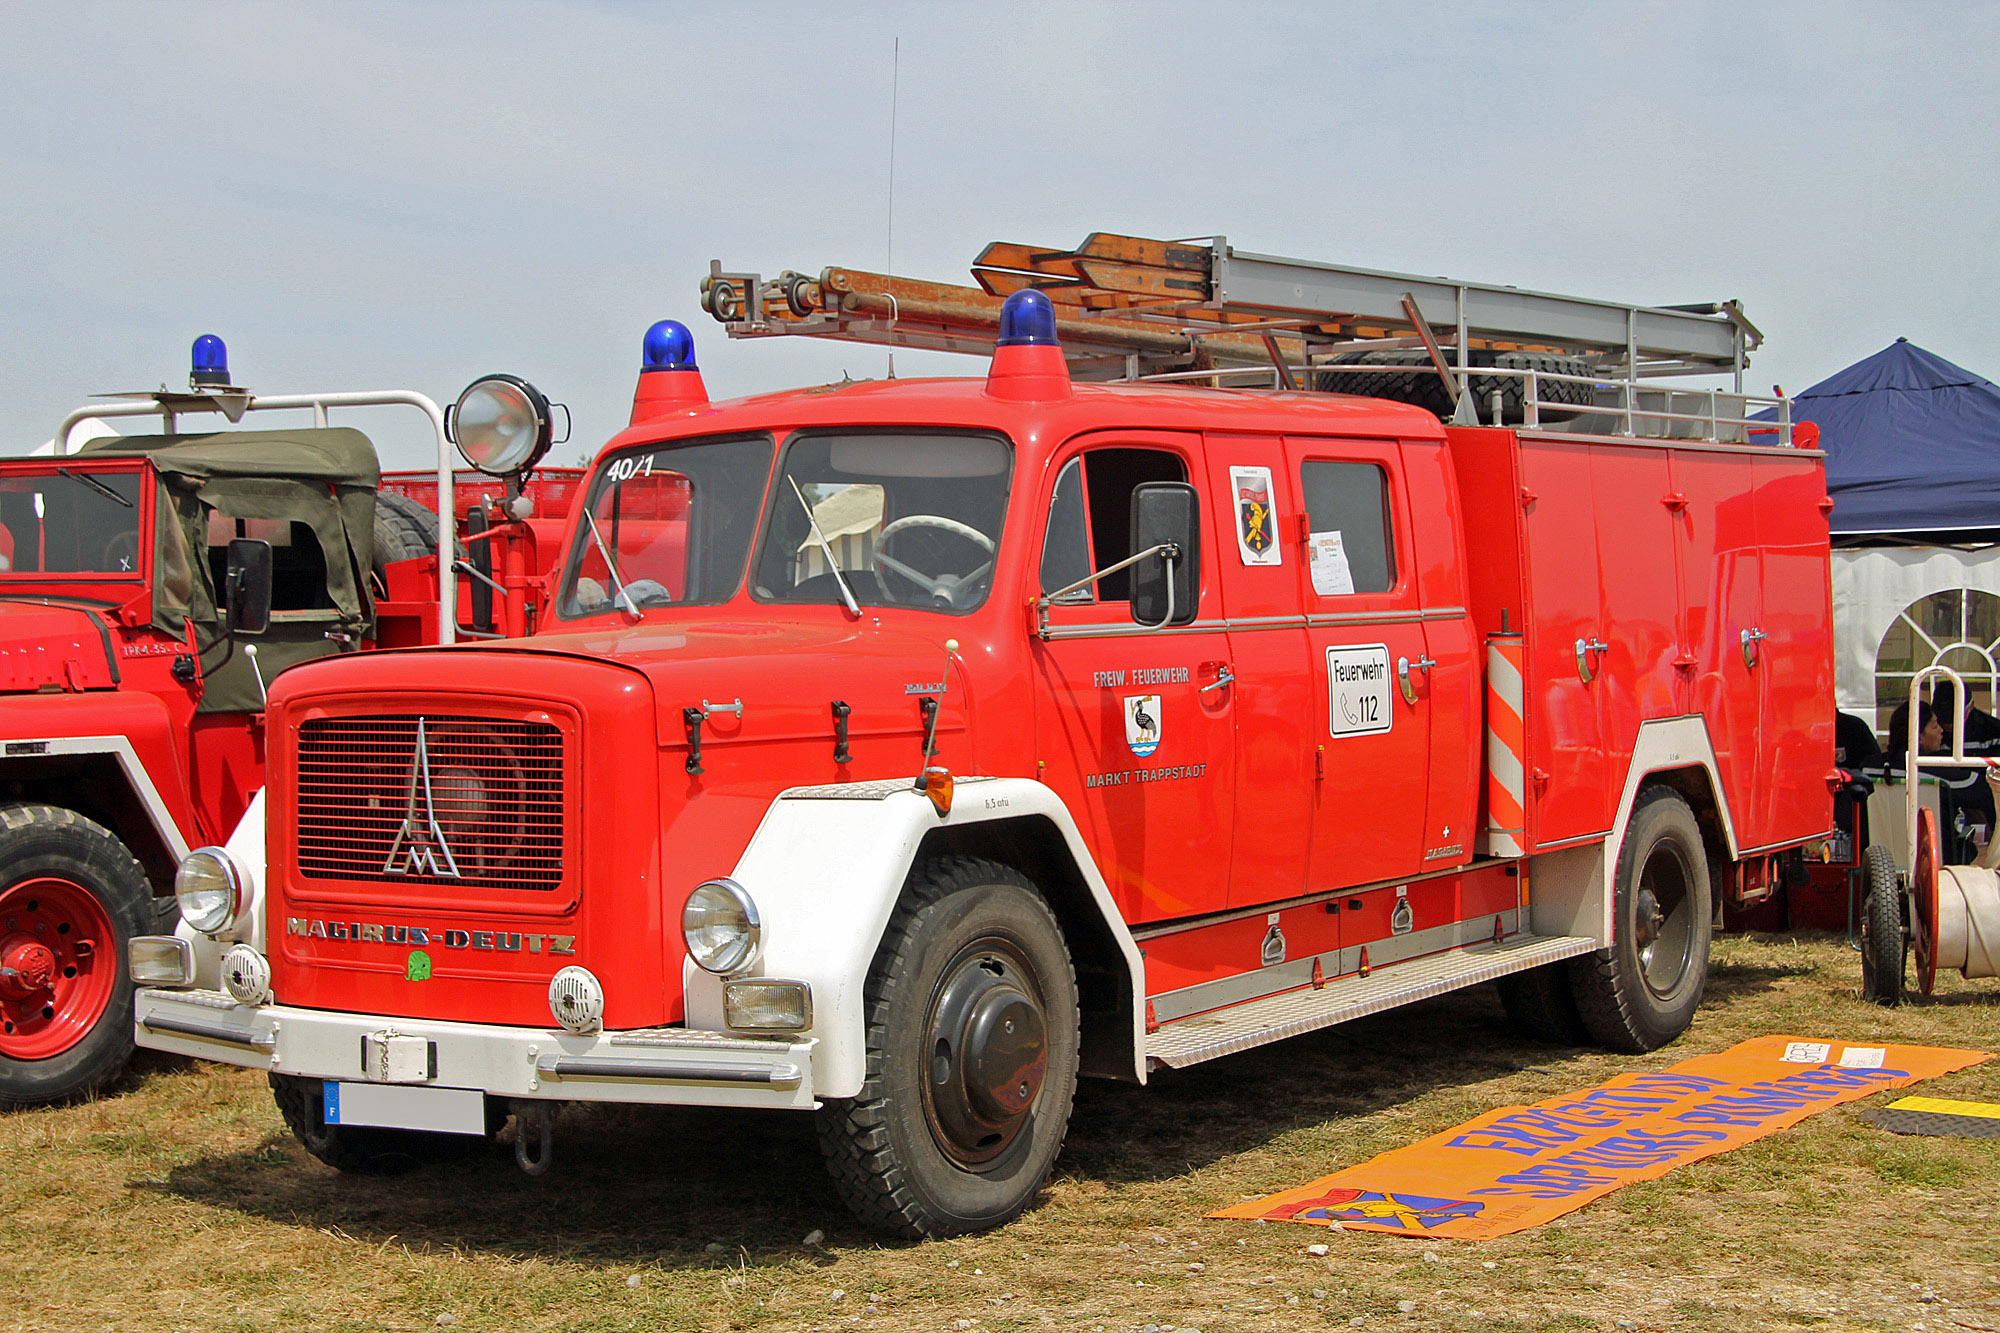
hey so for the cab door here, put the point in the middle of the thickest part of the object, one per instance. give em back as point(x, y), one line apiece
point(1370, 716)
point(1134, 724)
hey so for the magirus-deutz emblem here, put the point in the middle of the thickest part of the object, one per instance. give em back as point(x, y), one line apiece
point(420, 842)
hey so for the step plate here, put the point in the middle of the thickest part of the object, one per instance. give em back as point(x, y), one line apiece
point(1189, 1041)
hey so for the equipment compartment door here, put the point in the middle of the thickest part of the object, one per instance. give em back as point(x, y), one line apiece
point(1125, 731)
point(1368, 735)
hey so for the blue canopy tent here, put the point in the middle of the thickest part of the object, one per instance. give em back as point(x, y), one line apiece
point(1913, 465)
point(1912, 444)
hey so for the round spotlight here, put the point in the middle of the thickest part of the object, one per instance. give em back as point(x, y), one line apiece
point(501, 425)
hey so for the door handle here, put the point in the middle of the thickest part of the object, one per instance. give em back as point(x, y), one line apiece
point(1584, 647)
point(1403, 665)
point(1224, 678)
point(1751, 638)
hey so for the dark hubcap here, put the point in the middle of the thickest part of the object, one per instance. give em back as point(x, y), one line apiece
point(1662, 926)
point(988, 1048)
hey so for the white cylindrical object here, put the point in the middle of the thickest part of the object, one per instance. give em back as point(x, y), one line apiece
point(1968, 924)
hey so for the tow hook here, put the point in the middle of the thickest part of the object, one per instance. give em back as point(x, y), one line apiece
point(534, 1136)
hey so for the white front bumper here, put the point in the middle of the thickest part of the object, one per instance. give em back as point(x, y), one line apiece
point(670, 1066)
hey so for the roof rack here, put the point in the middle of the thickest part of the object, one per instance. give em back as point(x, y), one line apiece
point(1128, 308)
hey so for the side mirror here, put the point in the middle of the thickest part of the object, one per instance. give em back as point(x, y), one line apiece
point(1166, 513)
point(247, 590)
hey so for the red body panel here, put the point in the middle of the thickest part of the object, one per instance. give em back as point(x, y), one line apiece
point(1206, 766)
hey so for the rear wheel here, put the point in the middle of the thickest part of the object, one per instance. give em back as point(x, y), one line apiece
point(360, 1149)
point(73, 897)
point(972, 1055)
point(1883, 942)
point(1541, 1005)
point(1641, 992)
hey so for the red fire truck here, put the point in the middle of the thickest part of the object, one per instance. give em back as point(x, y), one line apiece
point(902, 750)
point(133, 668)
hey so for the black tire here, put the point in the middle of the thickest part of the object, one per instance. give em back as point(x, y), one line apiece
point(1421, 386)
point(358, 1149)
point(1641, 993)
point(404, 530)
point(1541, 1004)
point(65, 883)
point(1884, 942)
point(928, 1149)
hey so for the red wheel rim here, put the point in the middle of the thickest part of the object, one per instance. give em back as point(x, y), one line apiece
point(1924, 899)
point(62, 954)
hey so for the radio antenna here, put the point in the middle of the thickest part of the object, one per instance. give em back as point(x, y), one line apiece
point(889, 259)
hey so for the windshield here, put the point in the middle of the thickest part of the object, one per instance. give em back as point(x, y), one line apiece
point(666, 524)
point(69, 521)
point(885, 518)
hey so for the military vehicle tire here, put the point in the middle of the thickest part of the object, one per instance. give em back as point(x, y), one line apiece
point(1641, 993)
point(71, 898)
point(404, 530)
point(972, 1057)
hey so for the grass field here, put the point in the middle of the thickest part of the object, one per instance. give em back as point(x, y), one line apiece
point(179, 1202)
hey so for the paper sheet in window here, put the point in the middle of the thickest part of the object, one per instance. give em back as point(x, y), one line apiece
point(1330, 574)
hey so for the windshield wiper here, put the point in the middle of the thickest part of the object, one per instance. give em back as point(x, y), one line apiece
point(846, 593)
point(618, 592)
point(94, 484)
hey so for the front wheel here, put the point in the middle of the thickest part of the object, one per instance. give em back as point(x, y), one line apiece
point(1641, 993)
point(972, 1055)
point(71, 897)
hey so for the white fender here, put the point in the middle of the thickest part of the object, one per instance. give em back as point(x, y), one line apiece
point(825, 868)
point(246, 849)
point(1573, 893)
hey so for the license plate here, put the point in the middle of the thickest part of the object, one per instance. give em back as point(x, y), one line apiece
point(390, 1106)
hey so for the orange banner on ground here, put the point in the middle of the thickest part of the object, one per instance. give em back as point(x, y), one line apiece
point(1520, 1166)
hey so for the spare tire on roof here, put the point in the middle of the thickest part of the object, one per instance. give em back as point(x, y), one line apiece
point(1414, 380)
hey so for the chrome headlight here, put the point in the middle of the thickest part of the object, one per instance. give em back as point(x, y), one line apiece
point(721, 927)
point(501, 424)
point(209, 889)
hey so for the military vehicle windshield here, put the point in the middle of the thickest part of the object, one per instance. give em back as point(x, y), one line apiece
point(62, 520)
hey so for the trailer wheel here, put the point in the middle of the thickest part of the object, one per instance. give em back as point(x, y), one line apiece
point(358, 1149)
point(972, 1056)
point(1541, 1005)
point(1883, 942)
point(1641, 992)
point(1415, 381)
point(73, 897)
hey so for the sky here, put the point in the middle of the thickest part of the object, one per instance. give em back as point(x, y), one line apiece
point(409, 195)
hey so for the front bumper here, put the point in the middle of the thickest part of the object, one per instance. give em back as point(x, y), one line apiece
point(666, 1066)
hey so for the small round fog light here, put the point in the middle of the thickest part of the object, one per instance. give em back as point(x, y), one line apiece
point(208, 889)
point(576, 998)
point(246, 975)
point(721, 927)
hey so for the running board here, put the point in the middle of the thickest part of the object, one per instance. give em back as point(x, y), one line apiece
point(1189, 1041)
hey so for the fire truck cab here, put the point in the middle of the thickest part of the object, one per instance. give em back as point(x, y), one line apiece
point(902, 750)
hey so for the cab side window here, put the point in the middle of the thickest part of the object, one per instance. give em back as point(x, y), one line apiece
point(1090, 518)
point(1352, 547)
point(298, 564)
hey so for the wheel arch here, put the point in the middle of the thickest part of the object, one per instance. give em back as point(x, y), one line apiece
point(824, 916)
point(103, 779)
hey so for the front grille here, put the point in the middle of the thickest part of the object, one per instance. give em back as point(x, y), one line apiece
point(467, 802)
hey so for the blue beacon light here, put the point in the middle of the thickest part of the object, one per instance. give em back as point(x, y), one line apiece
point(668, 346)
point(1027, 319)
point(211, 361)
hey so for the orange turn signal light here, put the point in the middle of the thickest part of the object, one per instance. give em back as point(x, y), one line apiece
point(937, 786)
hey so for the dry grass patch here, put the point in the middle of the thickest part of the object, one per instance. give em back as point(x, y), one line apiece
point(180, 1203)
